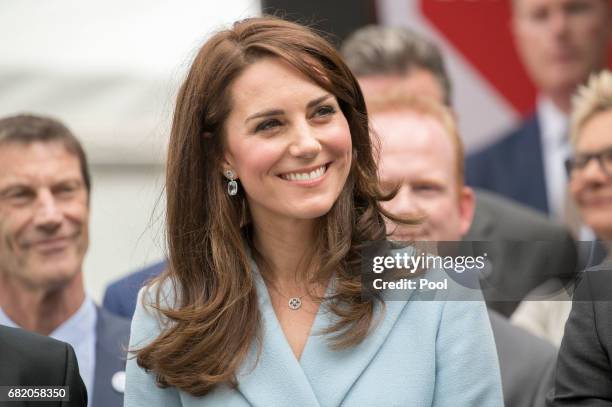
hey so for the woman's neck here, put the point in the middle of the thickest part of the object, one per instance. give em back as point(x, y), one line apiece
point(286, 245)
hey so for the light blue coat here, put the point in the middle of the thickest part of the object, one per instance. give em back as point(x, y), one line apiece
point(422, 353)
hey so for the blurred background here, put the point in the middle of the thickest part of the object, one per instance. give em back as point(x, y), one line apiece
point(110, 70)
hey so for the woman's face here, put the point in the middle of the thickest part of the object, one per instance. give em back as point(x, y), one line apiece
point(287, 141)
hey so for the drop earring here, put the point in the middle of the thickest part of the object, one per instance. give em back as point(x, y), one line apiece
point(232, 185)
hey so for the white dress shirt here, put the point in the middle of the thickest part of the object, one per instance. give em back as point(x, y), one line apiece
point(79, 331)
point(555, 150)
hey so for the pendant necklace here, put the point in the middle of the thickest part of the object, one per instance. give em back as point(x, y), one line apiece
point(295, 303)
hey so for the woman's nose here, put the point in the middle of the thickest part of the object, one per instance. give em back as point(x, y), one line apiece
point(305, 143)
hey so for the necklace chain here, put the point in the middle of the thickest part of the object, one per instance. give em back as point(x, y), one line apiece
point(294, 303)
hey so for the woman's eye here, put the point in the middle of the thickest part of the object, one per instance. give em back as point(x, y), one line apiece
point(267, 125)
point(323, 111)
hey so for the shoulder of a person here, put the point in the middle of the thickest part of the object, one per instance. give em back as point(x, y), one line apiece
point(521, 217)
point(164, 293)
point(507, 139)
point(31, 350)
point(153, 298)
point(135, 279)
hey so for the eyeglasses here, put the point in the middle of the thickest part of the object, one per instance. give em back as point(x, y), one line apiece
point(579, 162)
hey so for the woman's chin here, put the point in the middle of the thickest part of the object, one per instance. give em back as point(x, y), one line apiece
point(313, 213)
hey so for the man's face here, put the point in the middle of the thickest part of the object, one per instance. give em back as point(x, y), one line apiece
point(561, 41)
point(43, 214)
point(418, 155)
point(590, 186)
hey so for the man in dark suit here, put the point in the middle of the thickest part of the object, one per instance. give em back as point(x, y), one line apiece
point(44, 218)
point(525, 248)
point(560, 43)
point(29, 359)
point(388, 59)
point(584, 369)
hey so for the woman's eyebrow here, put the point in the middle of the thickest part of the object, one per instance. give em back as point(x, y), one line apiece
point(278, 112)
point(267, 113)
point(318, 100)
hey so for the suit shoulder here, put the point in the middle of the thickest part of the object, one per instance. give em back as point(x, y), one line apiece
point(136, 279)
point(507, 141)
point(36, 357)
point(516, 216)
point(513, 341)
point(26, 342)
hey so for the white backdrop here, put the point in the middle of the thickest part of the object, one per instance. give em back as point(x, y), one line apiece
point(109, 69)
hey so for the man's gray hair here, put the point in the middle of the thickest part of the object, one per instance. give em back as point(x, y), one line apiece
point(379, 50)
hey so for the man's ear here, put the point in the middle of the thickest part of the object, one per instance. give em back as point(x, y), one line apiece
point(467, 204)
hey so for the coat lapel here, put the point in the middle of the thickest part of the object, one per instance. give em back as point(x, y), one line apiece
point(322, 377)
point(333, 373)
point(277, 378)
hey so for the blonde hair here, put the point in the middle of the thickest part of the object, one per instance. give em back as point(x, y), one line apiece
point(400, 101)
point(590, 99)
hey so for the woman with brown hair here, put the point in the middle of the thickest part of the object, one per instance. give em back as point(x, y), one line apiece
point(272, 193)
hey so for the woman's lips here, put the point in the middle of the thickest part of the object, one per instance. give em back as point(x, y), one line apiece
point(308, 176)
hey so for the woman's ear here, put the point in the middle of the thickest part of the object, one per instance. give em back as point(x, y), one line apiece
point(227, 164)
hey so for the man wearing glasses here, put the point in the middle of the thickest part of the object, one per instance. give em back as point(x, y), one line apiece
point(584, 369)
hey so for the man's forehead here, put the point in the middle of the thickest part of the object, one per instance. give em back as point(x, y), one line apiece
point(416, 81)
point(39, 160)
point(410, 139)
point(410, 129)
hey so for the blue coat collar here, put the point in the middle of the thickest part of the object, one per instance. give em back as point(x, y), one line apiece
point(278, 378)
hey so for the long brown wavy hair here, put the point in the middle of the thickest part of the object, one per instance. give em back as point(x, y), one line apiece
point(215, 316)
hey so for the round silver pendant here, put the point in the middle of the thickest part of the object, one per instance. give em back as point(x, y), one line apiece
point(295, 303)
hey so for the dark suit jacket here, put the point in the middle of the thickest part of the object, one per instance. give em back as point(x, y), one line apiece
point(584, 368)
point(526, 363)
point(120, 296)
point(525, 248)
point(512, 167)
point(28, 359)
point(113, 336)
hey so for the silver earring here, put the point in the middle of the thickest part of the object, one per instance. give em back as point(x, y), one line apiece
point(232, 185)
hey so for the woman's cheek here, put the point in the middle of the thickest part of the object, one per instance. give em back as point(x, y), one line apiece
point(339, 138)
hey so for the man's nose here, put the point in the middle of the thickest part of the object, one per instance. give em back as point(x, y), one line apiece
point(405, 203)
point(305, 143)
point(559, 23)
point(48, 215)
point(593, 173)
